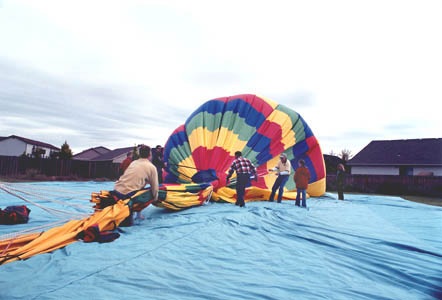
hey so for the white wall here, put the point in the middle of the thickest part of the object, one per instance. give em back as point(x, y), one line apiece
point(29, 149)
point(437, 171)
point(16, 147)
point(365, 170)
point(12, 147)
point(48, 151)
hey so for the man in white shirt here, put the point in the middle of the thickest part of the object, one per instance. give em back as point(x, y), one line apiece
point(283, 167)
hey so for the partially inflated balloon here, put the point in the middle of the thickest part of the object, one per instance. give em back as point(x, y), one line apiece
point(261, 129)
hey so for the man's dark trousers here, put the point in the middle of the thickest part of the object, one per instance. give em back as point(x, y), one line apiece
point(242, 179)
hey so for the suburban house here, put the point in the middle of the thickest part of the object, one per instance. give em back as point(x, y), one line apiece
point(399, 157)
point(116, 156)
point(331, 163)
point(91, 153)
point(16, 146)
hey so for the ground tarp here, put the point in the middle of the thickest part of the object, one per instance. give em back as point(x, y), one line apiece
point(367, 247)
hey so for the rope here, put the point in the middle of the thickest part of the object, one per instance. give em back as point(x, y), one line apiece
point(13, 235)
point(234, 180)
point(49, 210)
point(209, 197)
point(33, 187)
point(184, 166)
point(7, 247)
point(51, 200)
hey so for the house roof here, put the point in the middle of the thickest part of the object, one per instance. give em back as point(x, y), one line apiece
point(113, 154)
point(31, 142)
point(400, 152)
point(91, 153)
point(102, 149)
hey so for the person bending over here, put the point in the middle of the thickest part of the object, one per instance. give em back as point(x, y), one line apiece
point(139, 173)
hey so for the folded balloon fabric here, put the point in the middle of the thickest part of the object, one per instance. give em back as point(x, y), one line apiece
point(93, 234)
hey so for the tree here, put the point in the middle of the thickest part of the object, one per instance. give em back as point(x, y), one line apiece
point(135, 154)
point(332, 153)
point(38, 152)
point(54, 155)
point(65, 152)
point(345, 155)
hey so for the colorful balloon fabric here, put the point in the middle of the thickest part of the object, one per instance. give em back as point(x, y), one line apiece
point(260, 128)
point(198, 155)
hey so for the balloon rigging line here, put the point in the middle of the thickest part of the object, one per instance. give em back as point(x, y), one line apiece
point(53, 211)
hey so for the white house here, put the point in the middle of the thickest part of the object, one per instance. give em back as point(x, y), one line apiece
point(15, 146)
point(399, 157)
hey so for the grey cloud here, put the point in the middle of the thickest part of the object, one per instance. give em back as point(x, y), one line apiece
point(96, 113)
point(339, 142)
point(354, 140)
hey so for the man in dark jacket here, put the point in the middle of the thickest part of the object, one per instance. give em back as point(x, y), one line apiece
point(302, 176)
point(157, 161)
point(340, 181)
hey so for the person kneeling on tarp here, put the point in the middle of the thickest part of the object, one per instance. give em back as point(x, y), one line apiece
point(302, 176)
point(139, 173)
point(283, 167)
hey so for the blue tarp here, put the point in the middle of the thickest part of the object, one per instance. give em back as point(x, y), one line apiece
point(366, 247)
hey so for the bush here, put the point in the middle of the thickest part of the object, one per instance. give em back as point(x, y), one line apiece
point(31, 173)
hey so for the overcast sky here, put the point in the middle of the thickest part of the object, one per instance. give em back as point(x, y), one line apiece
point(119, 73)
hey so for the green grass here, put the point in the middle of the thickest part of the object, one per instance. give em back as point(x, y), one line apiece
point(436, 201)
point(10, 179)
point(425, 200)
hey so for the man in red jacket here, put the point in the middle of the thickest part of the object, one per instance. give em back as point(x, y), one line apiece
point(125, 163)
point(302, 176)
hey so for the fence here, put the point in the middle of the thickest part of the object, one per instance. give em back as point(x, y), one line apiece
point(391, 185)
point(12, 166)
